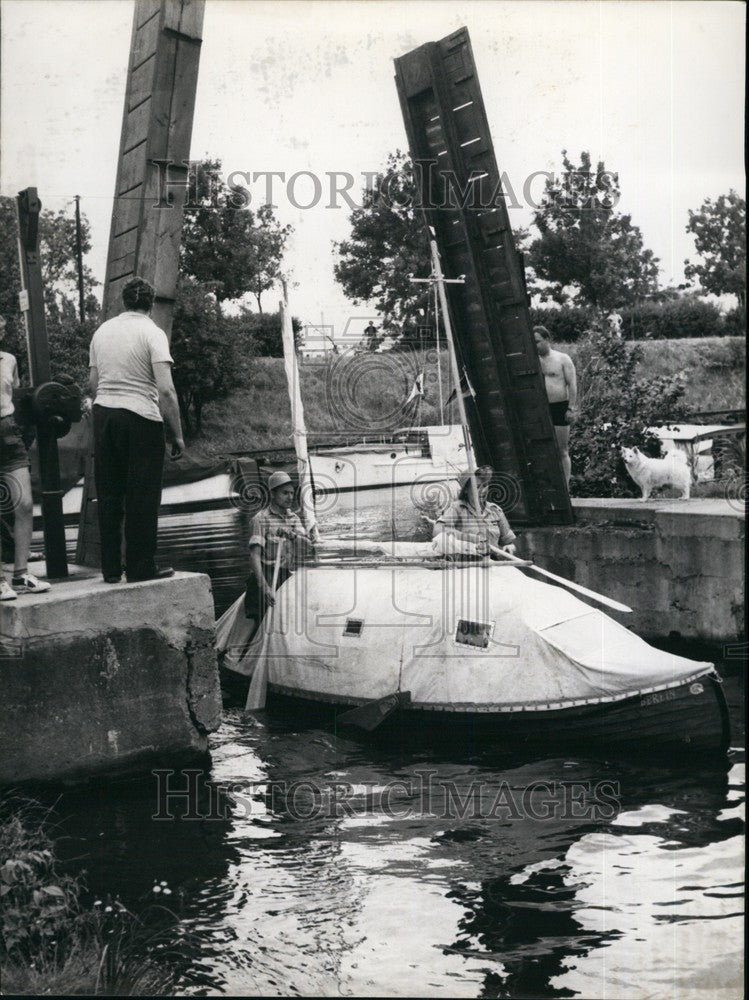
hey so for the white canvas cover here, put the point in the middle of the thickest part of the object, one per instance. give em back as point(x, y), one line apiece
point(356, 632)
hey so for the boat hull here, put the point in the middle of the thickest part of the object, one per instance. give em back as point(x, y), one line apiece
point(691, 717)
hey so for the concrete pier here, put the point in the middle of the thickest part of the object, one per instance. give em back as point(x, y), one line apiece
point(679, 564)
point(100, 679)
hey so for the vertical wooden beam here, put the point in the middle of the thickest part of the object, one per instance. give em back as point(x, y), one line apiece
point(156, 131)
point(146, 226)
point(28, 210)
point(463, 201)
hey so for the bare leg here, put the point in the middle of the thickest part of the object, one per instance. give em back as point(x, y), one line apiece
point(563, 442)
point(24, 520)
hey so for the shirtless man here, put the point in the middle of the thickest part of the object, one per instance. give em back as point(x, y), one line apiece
point(561, 389)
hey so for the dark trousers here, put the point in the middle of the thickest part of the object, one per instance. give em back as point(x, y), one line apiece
point(128, 464)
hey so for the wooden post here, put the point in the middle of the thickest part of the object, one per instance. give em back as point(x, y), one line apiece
point(28, 208)
point(152, 178)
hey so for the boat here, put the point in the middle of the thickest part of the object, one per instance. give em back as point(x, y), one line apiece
point(424, 638)
point(432, 453)
point(478, 651)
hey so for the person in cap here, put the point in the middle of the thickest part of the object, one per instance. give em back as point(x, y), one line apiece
point(130, 373)
point(15, 484)
point(482, 528)
point(273, 526)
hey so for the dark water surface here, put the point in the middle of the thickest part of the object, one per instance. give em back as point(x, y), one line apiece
point(566, 876)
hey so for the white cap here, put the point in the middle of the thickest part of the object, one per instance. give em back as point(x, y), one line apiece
point(277, 479)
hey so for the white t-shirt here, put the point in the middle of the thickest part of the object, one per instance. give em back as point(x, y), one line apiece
point(124, 351)
point(8, 382)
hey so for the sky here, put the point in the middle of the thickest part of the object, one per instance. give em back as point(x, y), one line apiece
point(655, 89)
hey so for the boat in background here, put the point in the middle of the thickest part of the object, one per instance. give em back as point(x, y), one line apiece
point(408, 456)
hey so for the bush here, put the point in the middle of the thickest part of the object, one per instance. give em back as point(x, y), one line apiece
point(566, 325)
point(734, 322)
point(679, 319)
point(262, 331)
point(50, 944)
point(616, 408)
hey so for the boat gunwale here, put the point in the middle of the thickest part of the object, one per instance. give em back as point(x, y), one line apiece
point(497, 708)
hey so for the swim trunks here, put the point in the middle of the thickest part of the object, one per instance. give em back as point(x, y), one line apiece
point(559, 413)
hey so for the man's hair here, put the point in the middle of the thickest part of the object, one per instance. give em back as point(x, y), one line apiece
point(138, 294)
point(543, 331)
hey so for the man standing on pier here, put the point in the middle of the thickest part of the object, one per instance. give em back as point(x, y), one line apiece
point(130, 375)
point(561, 389)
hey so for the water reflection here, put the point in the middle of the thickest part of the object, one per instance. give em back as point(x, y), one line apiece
point(420, 898)
point(362, 867)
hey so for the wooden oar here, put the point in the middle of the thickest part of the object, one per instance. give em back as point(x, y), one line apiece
point(523, 563)
point(259, 684)
point(370, 715)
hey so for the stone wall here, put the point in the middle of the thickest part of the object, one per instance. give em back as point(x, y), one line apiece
point(100, 679)
point(678, 564)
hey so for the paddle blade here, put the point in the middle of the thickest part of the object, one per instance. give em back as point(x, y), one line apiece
point(373, 713)
point(258, 686)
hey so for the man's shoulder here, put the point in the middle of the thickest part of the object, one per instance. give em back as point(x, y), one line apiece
point(494, 509)
point(562, 356)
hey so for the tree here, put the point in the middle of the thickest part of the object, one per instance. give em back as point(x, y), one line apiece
point(207, 363)
point(389, 243)
point(68, 337)
point(719, 230)
point(224, 242)
point(261, 332)
point(585, 245)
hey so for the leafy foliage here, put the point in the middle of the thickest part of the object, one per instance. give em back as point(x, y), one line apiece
point(566, 324)
point(225, 243)
point(679, 319)
point(388, 244)
point(586, 245)
point(616, 408)
point(261, 332)
point(206, 359)
point(38, 901)
point(52, 944)
point(719, 230)
point(68, 337)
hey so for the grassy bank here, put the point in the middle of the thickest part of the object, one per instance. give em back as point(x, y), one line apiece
point(52, 943)
point(368, 393)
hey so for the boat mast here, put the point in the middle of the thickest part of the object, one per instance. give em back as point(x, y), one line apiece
point(439, 360)
point(438, 279)
point(298, 426)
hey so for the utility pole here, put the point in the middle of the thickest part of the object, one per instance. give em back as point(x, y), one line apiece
point(79, 258)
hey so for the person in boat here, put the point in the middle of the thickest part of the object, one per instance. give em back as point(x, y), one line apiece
point(482, 529)
point(273, 526)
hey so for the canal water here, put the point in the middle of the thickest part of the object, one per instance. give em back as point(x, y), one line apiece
point(315, 863)
point(312, 862)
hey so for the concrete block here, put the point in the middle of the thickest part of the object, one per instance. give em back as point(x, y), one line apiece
point(707, 557)
point(722, 522)
point(101, 679)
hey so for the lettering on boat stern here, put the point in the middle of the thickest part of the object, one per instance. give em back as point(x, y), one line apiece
point(658, 697)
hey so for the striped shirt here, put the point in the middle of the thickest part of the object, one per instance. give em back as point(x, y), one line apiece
point(263, 530)
point(491, 522)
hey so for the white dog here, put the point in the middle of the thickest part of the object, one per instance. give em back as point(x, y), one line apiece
point(650, 473)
